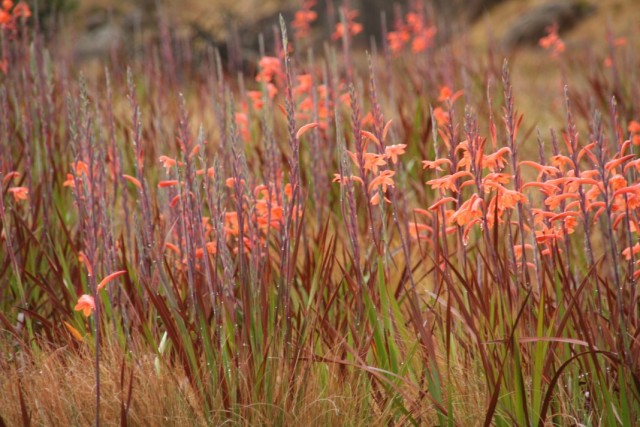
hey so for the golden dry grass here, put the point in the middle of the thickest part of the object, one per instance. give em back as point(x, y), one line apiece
point(58, 388)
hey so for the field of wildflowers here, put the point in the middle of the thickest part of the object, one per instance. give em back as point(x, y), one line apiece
point(338, 238)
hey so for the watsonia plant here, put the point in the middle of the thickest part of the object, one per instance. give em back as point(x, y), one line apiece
point(394, 233)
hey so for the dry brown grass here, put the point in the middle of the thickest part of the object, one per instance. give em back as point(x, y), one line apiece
point(58, 388)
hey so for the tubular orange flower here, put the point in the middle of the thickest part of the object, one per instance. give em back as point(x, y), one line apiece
point(82, 258)
point(441, 202)
point(617, 162)
point(306, 128)
point(441, 116)
point(19, 193)
point(270, 68)
point(496, 160)
point(21, 9)
point(561, 161)
point(448, 182)
point(445, 93)
point(80, 168)
point(133, 180)
point(8, 177)
point(468, 211)
point(634, 126)
point(517, 249)
point(86, 304)
point(435, 164)
point(172, 247)
point(393, 151)
point(467, 230)
point(384, 180)
point(631, 249)
point(397, 40)
point(5, 19)
point(510, 198)
point(167, 162)
point(542, 169)
point(168, 183)
point(109, 278)
point(212, 248)
point(353, 27)
point(230, 182)
point(554, 201)
point(303, 20)
point(423, 40)
point(210, 172)
point(552, 41)
point(372, 161)
point(70, 182)
point(495, 180)
point(344, 179)
point(375, 199)
point(369, 136)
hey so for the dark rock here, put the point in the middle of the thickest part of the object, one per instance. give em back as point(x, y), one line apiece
point(533, 24)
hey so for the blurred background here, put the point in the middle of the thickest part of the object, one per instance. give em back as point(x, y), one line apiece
point(100, 26)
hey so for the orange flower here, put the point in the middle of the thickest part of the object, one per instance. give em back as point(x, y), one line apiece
point(212, 247)
point(353, 27)
point(628, 251)
point(306, 128)
point(305, 84)
point(435, 164)
point(561, 161)
point(109, 278)
point(372, 161)
point(345, 179)
point(448, 182)
point(542, 169)
point(5, 18)
point(447, 94)
point(80, 168)
point(554, 201)
point(70, 182)
point(172, 247)
point(133, 180)
point(552, 41)
point(517, 250)
point(423, 40)
point(375, 199)
point(7, 5)
point(420, 231)
point(468, 211)
point(302, 22)
point(21, 9)
point(11, 175)
point(210, 172)
point(634, 126)
point(270, 68)
point(495, 180)
point(441, 116)
point(231, 182)
point(397, 40)
point(393, 151)
point(545, 187)
point(86, 304)
point(19, 193)
point(385, 179)
point(368, 136)
point(441, 202)
point(510, 198)
point(496, 160)
point(167, 162)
